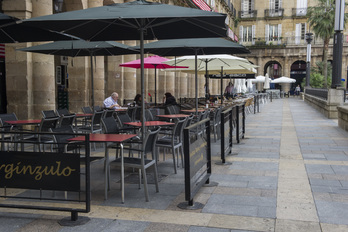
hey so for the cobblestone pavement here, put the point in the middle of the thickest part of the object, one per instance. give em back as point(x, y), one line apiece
point(290, 173)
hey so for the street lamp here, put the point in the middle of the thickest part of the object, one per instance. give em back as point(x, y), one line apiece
point(338, 45)
point(309, 38)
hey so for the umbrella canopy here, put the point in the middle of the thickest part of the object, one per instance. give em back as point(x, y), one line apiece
point(11, 32)
point(82, 48)
point(259, 79)
point(283, 80)
point(267, 81)
point(230, 64)
point(151, 62)
point(201, 46)
point(122, 21)
point(215, 64)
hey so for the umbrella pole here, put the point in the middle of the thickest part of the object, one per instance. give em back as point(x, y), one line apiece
point(206, 81)
point(222, 71)
point(196, 82)
point(92, 82)
point(155, 85)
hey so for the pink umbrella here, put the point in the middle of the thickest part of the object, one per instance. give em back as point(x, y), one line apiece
point(151, 62)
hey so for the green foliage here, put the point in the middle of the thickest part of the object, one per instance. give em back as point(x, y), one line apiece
point(317, 79)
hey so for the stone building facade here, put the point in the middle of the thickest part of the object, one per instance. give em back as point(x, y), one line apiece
point(36, 82)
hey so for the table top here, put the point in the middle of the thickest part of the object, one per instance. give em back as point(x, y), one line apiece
point(24, 122)
point(150, 123)
point(84, 115)
point(193, 110)
point(173, 116)
point(118, 138)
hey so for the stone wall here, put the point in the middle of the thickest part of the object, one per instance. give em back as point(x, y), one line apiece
point(343, 117)
point(327, 107)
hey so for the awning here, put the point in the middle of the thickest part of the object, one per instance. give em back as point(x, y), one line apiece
point(202, 5)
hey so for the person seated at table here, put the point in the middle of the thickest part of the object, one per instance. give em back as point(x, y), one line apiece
point(169, 99)
point(229, 90)
point(111, 102)
point(137, 100)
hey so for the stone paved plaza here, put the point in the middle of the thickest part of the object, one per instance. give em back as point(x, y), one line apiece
point(290, 173)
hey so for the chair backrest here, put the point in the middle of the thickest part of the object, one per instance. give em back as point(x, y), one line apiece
point(96, 118)
point(123, 118)
point(130, 112)
point(179, 127)
point(97, 108)
point(87, 110)
point(48, 123)
point(150, 140)
point(48, 113)
point(110, 125)
point(108, 113)
point(148, 115)
point(66, 120)
point(189, 120)
point(137, 114)
point(7, 117)
point(169, 110)
point(61, 112)
point(60, 138)
point(155, 112)
point(176, 109)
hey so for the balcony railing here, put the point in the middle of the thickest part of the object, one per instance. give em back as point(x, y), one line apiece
point(299, 12)
point(273, 13)
point(285, 41)
point(250, 14)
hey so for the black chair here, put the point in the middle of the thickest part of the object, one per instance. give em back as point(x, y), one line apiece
point(61, 142)
point(61, 112)
point(215, 122)
point(49, 114)
point(7, 137)
point(142, 163)
point(87, 110)
point(41, 139)
point(122, 118)
point(95, 126)
point(173, 140)
point(67, 120)
point(109, 113)
point(97, 108)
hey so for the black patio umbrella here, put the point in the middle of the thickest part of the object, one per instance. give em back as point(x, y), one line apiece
point(199, 46)
point(11, 32)
point(82, 48)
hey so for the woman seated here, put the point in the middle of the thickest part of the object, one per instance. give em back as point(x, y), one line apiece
point(169, 99)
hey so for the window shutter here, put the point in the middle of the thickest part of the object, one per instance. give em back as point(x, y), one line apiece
point(253, 27)
point(241, 33)
point(267, 33)
point(298, 33)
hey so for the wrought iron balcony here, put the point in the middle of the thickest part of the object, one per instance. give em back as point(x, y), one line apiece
point(299, 12)
point(274, 13)
point(247, 15)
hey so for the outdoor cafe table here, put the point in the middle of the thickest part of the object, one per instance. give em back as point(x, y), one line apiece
point(25, 122)
point(172, 116)
point(150, 123)
point(193, 110)
point(104, 138)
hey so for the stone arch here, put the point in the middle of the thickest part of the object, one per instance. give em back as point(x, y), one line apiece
point(273, 68)
point(298, 72)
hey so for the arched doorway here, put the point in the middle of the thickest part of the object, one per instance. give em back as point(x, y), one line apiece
point(298, 72)
point(274, 70)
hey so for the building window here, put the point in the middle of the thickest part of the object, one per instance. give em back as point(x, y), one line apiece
point(273, 32)
point(247, 34)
